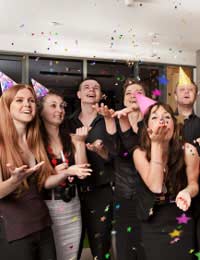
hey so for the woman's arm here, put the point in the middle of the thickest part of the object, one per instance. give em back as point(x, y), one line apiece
point(78, 141)
point(183, 199)
point(152, 172)
point(17, 176)
point(63, 172)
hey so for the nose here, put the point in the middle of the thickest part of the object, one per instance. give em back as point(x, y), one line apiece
point(27, 103)
point(162, 121)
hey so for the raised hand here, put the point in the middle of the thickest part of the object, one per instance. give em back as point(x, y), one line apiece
point(123, 112)
point(18, 174)
point(183, 200)
point(104, 110)
point(98, 147)
point(81, 134)
point(158, 134)
point(79, 170)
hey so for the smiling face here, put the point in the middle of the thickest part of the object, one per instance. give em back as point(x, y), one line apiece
point(23, 107)
point(185, 95)
point(53, 109)
point(159, 116)
point(89, 92)
point(129, 98)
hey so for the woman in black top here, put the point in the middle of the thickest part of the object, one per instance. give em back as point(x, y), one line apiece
point(120, 140)
point(170, 170)
point(25, 231)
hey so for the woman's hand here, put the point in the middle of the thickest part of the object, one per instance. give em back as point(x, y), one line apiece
point(80, 135)
point(79, 170)
point(123, 112)
point(183, 200)
point(104, 110)
point(18, 174)
point(158, 134)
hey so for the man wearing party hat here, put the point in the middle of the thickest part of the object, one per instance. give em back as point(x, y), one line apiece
point(185, 96)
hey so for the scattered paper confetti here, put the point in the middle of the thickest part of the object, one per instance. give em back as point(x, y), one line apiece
point(183, 219)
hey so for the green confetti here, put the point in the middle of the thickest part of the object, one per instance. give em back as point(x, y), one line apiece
point(129, 229)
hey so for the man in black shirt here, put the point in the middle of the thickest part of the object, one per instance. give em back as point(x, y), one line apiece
point(185, 96)
point(96, 191)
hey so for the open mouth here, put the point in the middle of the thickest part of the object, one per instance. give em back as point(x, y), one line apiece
point(27, 112)
point(91, 96)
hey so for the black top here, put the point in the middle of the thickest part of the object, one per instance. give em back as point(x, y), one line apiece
point(24, 215)
point(102, 169)
point(191, 130)
point(121, 146)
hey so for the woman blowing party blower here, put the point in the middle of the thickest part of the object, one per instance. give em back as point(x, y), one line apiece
point(169, 169)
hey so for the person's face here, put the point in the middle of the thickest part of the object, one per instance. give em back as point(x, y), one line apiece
point(185, 95)
point(53, 111)
point(90, 92)
point(129, 95)
point(23, 107)
point(160, 117)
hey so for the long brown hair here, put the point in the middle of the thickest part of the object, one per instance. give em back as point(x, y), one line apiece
point(9, 147)
point(63, 128)
point(176, 177)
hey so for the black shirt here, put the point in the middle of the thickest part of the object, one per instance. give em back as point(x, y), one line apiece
point(102, 169)
point(121, 146)
point(191, 130)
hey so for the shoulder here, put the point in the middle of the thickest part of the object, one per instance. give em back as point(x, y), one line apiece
point(138, 153)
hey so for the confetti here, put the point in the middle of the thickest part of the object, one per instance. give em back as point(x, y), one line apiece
point(74, 219)
point(117, 206)
point(107, 256)
point(183, 219)
point(175, 233)
point(156, 92)
point(129, 229)
point(197, 255)
point(102, 219)
point(163, 80)
point(107, 208)
point(191, 251)
point(175, 240)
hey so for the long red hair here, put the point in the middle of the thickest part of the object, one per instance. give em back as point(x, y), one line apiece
point(9, 147)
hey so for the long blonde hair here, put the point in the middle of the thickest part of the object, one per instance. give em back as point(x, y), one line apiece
point(9, 147)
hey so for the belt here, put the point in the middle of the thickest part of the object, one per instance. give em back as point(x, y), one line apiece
point(88, 188)
point(52, 195)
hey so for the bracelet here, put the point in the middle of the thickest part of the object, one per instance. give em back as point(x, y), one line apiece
point(157, 162)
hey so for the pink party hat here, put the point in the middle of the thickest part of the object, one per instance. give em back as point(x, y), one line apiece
point(40, 90)
point(144, 102)
point(6, 82)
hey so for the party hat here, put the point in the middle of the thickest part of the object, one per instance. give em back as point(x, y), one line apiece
point(144, 102)
point(40, 90)
point(183, 78)
point(6, 82)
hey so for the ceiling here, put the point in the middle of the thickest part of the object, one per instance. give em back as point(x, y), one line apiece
point(165, 31)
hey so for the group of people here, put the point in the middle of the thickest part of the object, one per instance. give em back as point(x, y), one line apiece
point(99, 172)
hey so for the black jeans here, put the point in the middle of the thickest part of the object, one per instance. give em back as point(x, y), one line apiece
point(96, 207)
point(37, 246)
